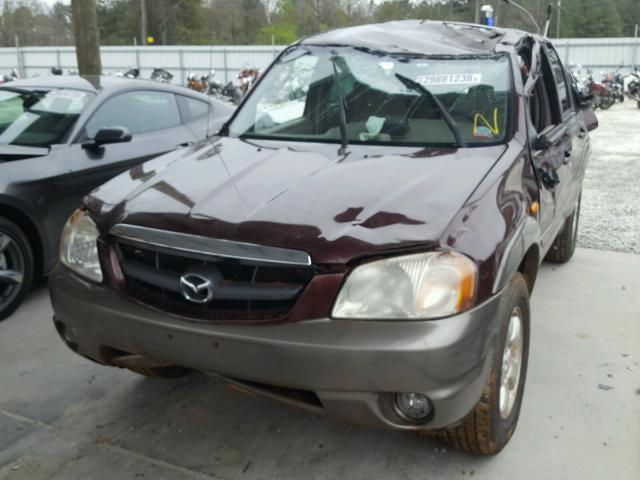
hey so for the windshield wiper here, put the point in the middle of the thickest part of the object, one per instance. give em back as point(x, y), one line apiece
point(446, 116)
point(343, 105)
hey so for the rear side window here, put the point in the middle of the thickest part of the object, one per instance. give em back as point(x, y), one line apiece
point(139, 112)
point(195, 108)
point(558, 75)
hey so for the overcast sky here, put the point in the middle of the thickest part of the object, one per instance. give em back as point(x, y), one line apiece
point(51, 2)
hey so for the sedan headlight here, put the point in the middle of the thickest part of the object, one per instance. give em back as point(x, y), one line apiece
point(421, 286)
point(79, 246)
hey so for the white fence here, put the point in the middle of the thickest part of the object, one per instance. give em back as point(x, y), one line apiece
point(596, 53)
point(227, 61)
point(599, 53)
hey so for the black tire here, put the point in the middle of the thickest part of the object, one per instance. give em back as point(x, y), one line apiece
point(564, 244)
point(487, 429)
point(607, 102)
point(17, 267)
point(159, 372)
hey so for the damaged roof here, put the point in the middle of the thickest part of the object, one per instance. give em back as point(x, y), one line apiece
point(421, 37)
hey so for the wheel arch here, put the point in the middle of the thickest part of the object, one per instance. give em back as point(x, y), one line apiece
point(522, 254)
point(31, 231)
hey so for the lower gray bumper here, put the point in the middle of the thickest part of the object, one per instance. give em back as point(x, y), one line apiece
point(351, 366)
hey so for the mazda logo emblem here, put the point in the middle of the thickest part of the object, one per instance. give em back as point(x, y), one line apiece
point(196, 288)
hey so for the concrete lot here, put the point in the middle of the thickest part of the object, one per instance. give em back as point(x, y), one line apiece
point(609, 218)
point(65, 418)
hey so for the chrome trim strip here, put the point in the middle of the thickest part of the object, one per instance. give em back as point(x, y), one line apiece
point(216, 247)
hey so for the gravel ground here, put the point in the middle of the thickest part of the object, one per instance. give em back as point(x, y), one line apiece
point(609, 217)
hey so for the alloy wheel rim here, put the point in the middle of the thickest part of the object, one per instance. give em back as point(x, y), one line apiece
point(511, 363)
point(11, 269)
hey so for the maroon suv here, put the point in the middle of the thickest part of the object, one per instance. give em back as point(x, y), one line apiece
point(361, 238)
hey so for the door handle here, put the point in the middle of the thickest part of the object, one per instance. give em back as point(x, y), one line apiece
point(184, 144)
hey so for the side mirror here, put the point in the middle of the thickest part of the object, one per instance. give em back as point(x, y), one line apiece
point(590, 119)
point(108, 135)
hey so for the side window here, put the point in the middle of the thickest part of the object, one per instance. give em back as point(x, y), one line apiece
point(540, 107)
point(558, 75)
point(195, 108)
point(139, 111)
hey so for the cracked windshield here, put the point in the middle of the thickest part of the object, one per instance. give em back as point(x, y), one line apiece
point(330, 94)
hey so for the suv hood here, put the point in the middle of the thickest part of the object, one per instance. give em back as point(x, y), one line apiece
point(309, 197)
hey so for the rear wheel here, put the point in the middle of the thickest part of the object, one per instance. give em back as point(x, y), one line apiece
point(488, 428)
point(16, 267)
point(564, 244)
point(607, 102)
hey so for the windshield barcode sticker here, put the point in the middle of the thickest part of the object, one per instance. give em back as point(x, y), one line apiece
point(450, 79)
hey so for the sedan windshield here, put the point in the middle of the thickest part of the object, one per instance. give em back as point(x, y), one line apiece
point(39, 118)
point(355, 95)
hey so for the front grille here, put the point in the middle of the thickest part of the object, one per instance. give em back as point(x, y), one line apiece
point(245, 290)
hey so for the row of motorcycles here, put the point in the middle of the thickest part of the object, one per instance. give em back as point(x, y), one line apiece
point(613, 87)
point(203, 83)
point(226, 92)
point(158, 74)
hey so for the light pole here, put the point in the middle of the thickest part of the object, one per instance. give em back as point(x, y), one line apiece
point(559, 13)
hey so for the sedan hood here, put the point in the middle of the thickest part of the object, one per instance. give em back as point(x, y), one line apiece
point(310, 197)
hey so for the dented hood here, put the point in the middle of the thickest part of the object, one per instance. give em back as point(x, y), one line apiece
point(310, 197)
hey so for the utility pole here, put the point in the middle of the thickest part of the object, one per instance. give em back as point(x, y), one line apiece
point(21, 71)
point(477, 20)
point(143, 21)
point(635, 49)
point(559, 13)
point(85, 32)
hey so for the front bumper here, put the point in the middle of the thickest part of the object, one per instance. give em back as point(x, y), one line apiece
point(353, 367)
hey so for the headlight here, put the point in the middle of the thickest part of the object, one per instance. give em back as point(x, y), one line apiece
point(426, 285)
point(79, 247)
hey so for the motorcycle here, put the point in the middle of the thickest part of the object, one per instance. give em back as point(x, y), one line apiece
point(603, 97)
point(209, 85)
point(195, 83)
point(9, 77)
point(633, 87)
point(248, 77)
point(227, 92)
point(161, 75)
point(614, 81)
point(132, 73)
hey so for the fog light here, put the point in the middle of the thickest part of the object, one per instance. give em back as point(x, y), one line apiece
point(413, 406)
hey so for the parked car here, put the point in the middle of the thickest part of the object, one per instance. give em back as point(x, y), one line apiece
point(60, 137)
point(368, 252)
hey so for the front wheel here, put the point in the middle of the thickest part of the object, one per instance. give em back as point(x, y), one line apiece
point(16, 267)
point(490, 425)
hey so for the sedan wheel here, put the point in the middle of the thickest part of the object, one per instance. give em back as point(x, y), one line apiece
point(16, 267)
